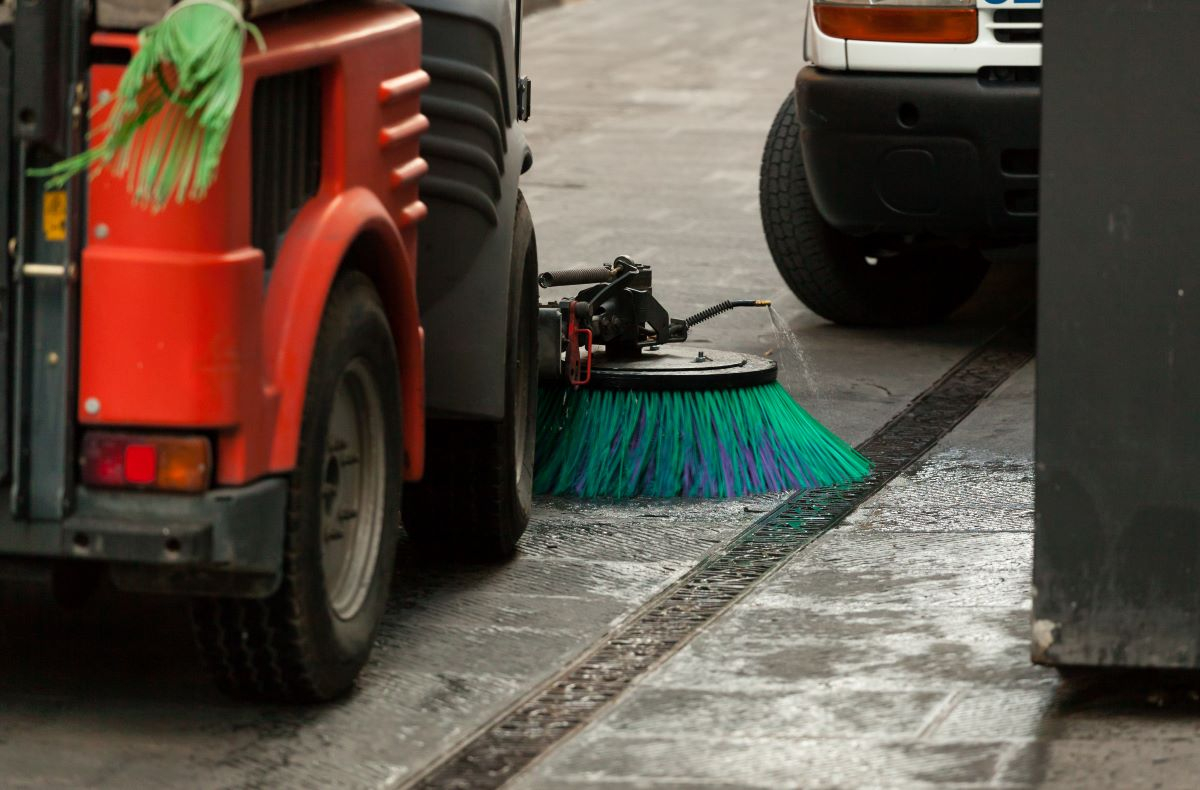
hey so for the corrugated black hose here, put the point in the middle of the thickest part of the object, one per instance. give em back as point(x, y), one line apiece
point(724, 307)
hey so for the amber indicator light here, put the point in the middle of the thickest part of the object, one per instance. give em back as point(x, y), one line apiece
point(914, 25)
point(181, 464)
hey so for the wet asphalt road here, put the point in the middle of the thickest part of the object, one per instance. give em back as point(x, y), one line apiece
point(891, 653)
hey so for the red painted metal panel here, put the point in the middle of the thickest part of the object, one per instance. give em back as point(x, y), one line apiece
point(177, 330)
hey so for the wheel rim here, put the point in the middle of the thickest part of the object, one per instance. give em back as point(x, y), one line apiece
point(352, 491)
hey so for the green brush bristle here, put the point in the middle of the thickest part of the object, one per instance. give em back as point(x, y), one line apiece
point(170, 118)
point(724, 443)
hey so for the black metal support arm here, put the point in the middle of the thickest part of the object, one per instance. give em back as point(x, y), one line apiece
point(620, 311)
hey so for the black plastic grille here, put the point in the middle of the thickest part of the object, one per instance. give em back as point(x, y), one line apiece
point(1027, 16)
point(575, 696)
point(1018, 16)
point(1009, 75)
point(287, 154)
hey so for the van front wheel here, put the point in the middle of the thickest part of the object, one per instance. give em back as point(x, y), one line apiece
point(846, 279)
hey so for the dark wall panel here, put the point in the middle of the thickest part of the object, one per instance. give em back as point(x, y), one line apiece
point(1117, 566)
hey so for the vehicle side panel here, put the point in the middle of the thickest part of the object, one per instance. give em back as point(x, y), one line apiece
point(476, 153)
point(151, 357)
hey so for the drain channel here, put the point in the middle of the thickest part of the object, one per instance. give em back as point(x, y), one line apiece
point(575, 696)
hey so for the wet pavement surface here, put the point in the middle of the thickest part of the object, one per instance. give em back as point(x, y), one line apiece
point(893, 652)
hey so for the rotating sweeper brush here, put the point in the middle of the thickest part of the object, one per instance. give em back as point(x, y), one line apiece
point(627, 409)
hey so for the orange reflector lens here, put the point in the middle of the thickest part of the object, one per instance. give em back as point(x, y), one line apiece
point(181, 464)
point(907, 25)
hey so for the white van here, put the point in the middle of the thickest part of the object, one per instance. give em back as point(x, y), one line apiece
point(908, 152)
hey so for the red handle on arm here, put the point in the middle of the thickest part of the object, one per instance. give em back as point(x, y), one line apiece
point(579, 371)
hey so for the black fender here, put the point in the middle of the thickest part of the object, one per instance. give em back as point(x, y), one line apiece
point(476, 153)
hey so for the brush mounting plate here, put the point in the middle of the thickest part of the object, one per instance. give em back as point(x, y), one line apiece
point(681, 367)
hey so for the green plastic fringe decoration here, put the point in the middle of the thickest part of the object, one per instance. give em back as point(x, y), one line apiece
point(173, 110)
point(725, 443)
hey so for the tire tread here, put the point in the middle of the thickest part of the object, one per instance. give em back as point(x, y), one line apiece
point(263, 649)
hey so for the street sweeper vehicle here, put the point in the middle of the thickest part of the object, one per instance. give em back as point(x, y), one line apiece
point(907, 157)
point(229, 348)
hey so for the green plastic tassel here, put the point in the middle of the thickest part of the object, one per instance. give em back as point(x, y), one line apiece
point(724, 443)
point(171, 116)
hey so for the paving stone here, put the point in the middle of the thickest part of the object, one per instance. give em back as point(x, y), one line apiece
point(977, 714)
point(806, 711)
point(981, 483)
point(851, 550)
point(1113, 763)
point(954, 491)
point(774, 650)
point(848, 762)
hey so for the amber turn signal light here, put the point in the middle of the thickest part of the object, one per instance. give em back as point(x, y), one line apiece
point(180, 464)
point(912, 25)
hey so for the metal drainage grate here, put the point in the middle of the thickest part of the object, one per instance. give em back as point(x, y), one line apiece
point(569, 701)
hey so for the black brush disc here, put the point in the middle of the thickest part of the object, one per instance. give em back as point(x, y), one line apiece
point(681, 367)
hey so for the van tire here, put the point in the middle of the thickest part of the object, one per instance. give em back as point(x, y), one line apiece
point(829, 271)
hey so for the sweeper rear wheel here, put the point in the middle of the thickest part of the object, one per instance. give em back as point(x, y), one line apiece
point(845, 279)
point(477, 494)
point(308, 641)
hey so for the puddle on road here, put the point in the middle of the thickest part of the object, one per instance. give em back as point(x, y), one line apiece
point(954, 490)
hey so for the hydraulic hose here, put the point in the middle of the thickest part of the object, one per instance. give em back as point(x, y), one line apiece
point(724, 307)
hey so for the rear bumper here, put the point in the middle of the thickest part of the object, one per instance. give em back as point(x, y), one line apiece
point(949, 155)
point(225, 542)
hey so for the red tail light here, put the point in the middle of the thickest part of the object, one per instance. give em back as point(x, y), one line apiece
point(180, 464)
point(141, 464)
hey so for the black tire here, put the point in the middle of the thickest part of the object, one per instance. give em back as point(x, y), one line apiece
point(475, 500)
point(830, 272)
point(308, 641)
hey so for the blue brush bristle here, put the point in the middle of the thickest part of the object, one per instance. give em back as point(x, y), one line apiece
point(724, 443)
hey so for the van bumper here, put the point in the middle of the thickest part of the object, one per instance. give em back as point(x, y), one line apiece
point(949, 155)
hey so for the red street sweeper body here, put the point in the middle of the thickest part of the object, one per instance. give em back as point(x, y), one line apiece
point(177, 330)
point(224, 400)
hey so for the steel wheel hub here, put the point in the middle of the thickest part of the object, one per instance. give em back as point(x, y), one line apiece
point(352, 491)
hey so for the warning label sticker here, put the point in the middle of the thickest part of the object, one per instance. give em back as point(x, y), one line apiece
point(54, 216)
